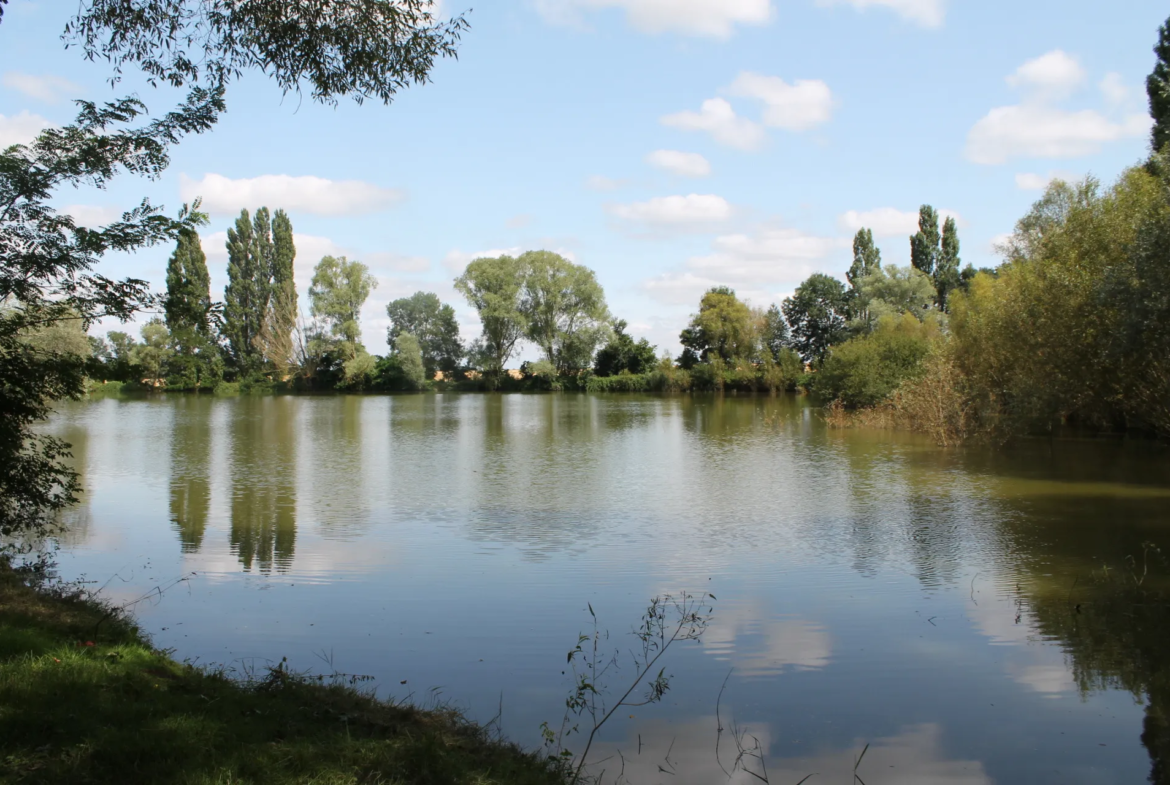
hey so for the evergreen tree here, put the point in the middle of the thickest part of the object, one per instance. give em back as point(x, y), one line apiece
point(924, 246)
point(188, 315)
point(1158, 90)
point(946, 274)
point(249, 288)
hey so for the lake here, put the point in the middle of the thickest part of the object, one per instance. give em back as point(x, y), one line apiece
point(972, 615)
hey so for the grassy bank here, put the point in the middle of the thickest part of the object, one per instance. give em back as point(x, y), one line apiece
point(85, 698)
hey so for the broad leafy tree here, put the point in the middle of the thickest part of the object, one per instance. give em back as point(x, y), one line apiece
point(622, 354)
point(724, 328)
point(338, 292)
point(495, 288)
point(565, 309)
point(433, 325)
point(408, 352)
point(816, 313)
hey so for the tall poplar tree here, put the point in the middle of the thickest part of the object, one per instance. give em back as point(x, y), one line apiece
point(188, 315)
point(276, 335)
point(866, 257)
point(946, 273)
point(1158, 90)
point(249, 289)
point(924, 246)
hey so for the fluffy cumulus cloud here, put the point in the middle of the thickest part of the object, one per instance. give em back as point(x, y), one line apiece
point(21, 128)
point(927, 13)
point(47, 88)
point(1042, 131)
point(1053, 74)
point(709, 18)
point(1038, 127)
point(675, 210)
point(800, 106)
point(888, 221)
point(760, 265)
point(717, 117)
point(315, 195)
point(685, 164)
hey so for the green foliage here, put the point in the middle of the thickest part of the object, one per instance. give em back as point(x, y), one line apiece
point(154, 353)
point(946, 276)
point(338, 292)
point(723, 328)
point(359, 371)
point(564, 307)
point(623, 355)
point(494, 287)
point(925, 245)
point(774, 334)
point(865, 371)
point(433, 323)
point(410, 360)
point(867, 258)
point(1158, 91)
point(816, 313)
point(276, 332)
point(362, 49)
point(227, 389)
point(189, 317)
point(249, 288)
point(892, 290)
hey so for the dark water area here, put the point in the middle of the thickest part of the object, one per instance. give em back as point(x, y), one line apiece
point(973, 615)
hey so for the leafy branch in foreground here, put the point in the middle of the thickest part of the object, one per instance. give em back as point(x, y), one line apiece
point(47, 277)
point(666, 621)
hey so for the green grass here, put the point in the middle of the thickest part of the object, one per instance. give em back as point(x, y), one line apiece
point(84, 700)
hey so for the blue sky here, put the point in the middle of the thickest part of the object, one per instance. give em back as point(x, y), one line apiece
point(670, 145)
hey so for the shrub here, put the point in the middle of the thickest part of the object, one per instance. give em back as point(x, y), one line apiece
point(866, 371)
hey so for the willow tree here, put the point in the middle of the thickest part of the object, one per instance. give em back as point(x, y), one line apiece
point(338, 292)
point(362, 49)
point(565, 309)
point(494, 287)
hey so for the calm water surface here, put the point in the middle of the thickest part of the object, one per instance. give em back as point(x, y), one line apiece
point(948, 608)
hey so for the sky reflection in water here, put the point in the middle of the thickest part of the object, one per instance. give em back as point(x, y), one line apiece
point(938, 605)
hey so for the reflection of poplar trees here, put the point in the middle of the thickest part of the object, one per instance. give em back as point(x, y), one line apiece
point(264, 484)
point(190, 473)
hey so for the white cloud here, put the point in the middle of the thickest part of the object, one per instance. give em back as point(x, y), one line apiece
point(49, 89)
point(927, 13)
point(889, 221)
point(91, 215)
point(710, 18)
point(718, 118)
point(21, 128)
point(1028, 181)
point(800, 106)
point(308, 194)
point(693, 208)
point(760, 265)
point(456, 260)
point(1040, 131)
point(1114, 89)
point(599, 182)
point(1053, 74)
point(685, 164)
